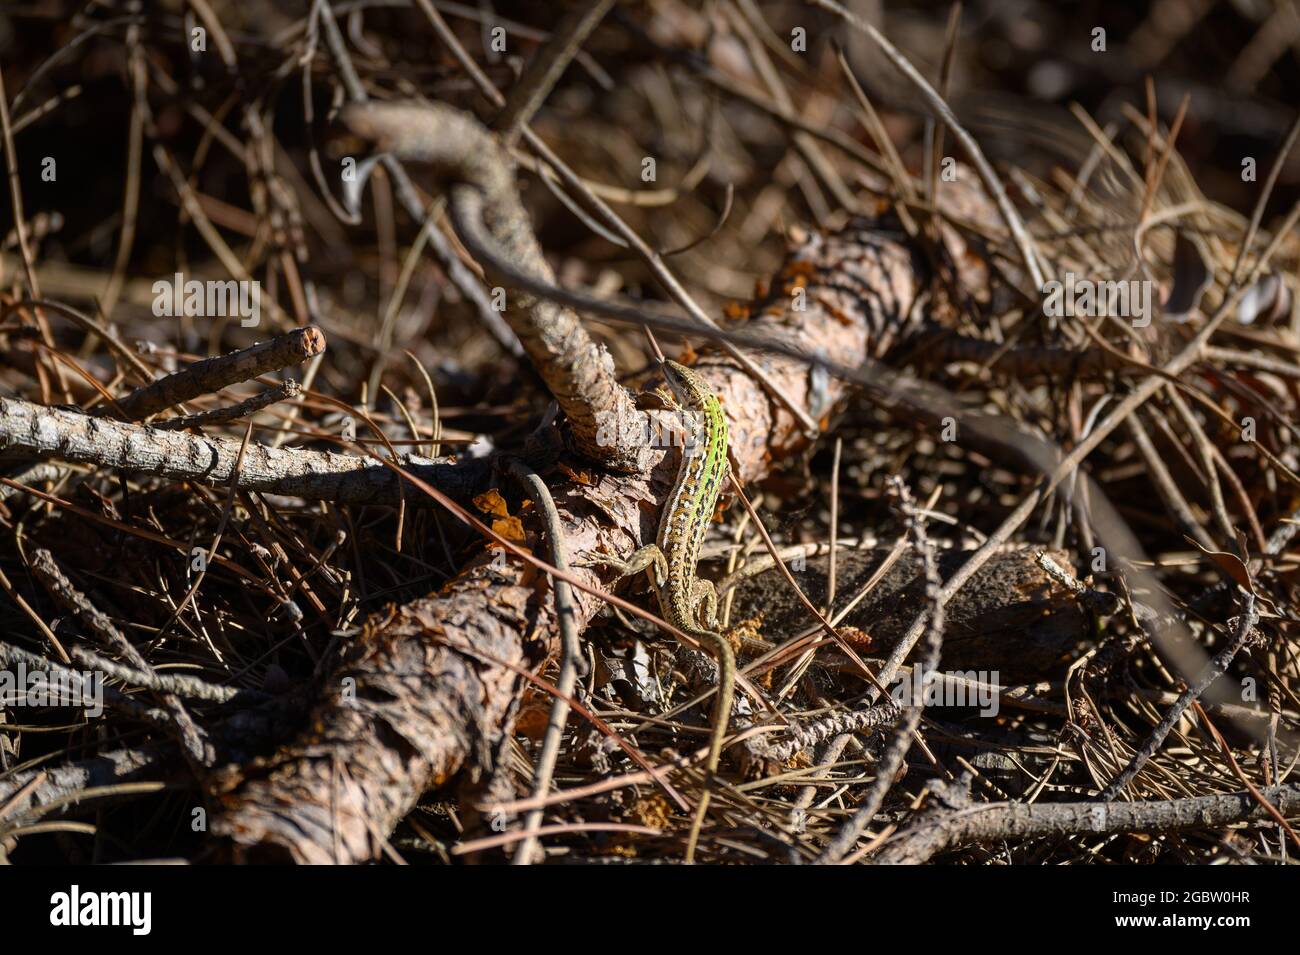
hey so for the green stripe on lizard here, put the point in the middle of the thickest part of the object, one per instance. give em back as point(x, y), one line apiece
point(687, 602)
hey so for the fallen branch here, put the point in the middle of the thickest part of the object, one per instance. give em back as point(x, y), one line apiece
point(251, 405)
point(433, 682)
point(946, 827)
point(212, 374)
point(314, 475)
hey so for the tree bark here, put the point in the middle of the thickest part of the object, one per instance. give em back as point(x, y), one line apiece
point(426, 689)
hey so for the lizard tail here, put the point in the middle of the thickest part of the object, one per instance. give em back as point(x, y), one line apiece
point(721, 715)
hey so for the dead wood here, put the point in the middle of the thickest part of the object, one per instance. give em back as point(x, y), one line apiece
point(952, 820)
point(1111, 503)
point(212, 374)
point(1011, 619)
point(34, 430)
point(435, 679)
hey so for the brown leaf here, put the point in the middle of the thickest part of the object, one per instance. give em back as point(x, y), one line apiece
point(1230, 564)
point(583, 477)
point(511, 528)
point(491, 502)
point(534, 714)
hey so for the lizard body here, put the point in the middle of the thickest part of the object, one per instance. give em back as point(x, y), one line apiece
point(686, 601)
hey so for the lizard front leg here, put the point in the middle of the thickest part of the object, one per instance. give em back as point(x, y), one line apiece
point(647, 558)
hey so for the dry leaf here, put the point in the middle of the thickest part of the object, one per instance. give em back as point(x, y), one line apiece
point(510, 528)
point(583, 477)
point(1230, 564)
point(491, 502)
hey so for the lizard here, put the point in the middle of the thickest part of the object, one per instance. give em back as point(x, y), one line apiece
point(686, 601)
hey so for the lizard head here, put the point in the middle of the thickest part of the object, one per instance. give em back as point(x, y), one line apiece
point(682, 380)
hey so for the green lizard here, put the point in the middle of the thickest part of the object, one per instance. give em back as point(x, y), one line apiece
point(684, 598)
